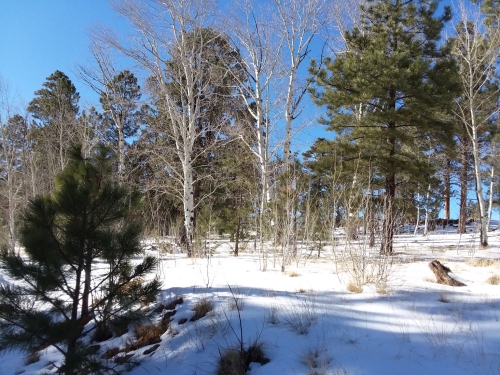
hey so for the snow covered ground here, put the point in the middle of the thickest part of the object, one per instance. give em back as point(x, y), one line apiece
point(309, 323)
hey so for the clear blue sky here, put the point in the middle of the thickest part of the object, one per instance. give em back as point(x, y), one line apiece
point(38, 37)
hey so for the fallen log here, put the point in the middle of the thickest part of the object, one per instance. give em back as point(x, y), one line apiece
point(441, 273)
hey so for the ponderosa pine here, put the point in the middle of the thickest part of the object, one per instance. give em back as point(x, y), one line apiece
point(388, 91)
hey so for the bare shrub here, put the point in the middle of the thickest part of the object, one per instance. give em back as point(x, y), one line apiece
point(494, 280)
point(201, 309)
point(481, 262)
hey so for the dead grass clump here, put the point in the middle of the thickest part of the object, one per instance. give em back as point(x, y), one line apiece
point(354, 287)
point(316, 359)
point(494, 280)
point(201, 308)
point(481, 262)
point(300, 314)
point(293, 274)
point(146, 334)
point(236, 362)
point(382, 289)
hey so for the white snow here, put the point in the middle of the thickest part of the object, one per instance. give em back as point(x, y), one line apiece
point(308, 318)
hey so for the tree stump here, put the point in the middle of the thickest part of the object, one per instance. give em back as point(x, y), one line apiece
point(441, 273)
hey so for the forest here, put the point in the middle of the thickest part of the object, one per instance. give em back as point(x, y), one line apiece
point(199, 137)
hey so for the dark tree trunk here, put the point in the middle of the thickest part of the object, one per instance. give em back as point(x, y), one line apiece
point(441, 273)
point(447, 191)
point(386, 247)
point(237, 239)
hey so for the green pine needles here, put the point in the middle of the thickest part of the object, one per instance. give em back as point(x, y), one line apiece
point(389, 93)
point(79, 244)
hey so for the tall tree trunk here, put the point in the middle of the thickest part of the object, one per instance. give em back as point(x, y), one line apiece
point(490, 203)
point(237, 238)
point(447, 190)
point(386, 247)
point(479, 187)
point(462, 218)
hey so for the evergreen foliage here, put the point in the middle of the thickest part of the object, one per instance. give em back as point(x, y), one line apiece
point(389, 91)
point(60, 287)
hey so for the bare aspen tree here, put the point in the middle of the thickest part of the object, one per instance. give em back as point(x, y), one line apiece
point(259, 46)
point(477, 49)
point(170, 44)
point(10, 147)
point(299, 22)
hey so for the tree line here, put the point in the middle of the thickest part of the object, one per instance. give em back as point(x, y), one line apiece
point(207, 136)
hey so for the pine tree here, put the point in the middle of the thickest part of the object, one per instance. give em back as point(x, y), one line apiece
point(389, 90)
point(86, 218)
point(54, 110)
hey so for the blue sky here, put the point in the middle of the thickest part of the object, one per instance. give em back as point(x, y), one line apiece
point(39, 37)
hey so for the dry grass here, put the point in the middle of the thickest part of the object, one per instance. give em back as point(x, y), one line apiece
point(494, 280)
point(201, 309)
point(481, 262)
point(382, 288)
point(299, 314)
point(316, 358)
point(235, 362)
point(354, 287)
point(146, 334)
point(293, 274)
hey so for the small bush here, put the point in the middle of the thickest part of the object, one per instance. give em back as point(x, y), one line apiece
point(481, 262)
point(494, 280)
point(354, 287)
point(235, 362)
point(293, 274)
point(201, 309)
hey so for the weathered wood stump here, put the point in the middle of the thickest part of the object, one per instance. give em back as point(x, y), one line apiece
point(441, 273)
